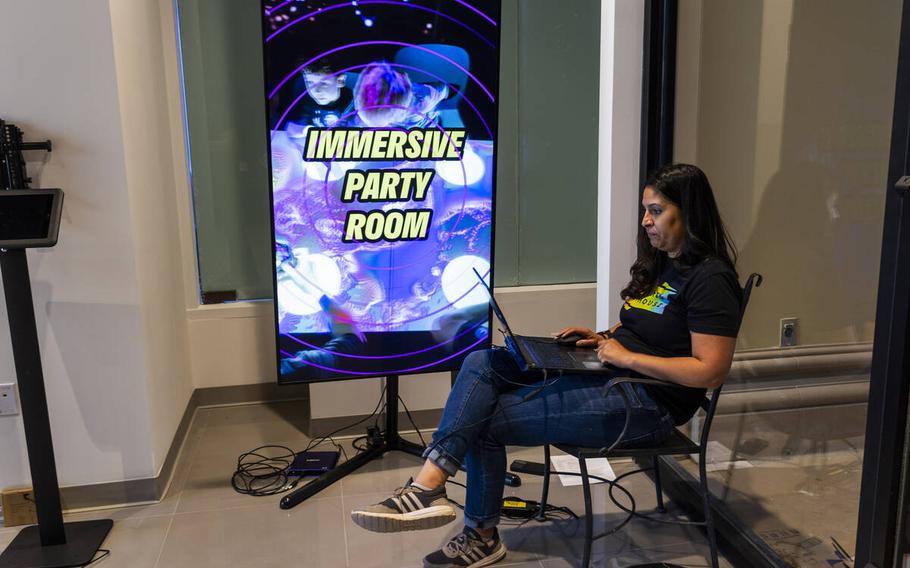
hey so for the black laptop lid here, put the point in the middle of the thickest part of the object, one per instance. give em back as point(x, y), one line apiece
point(499, 315)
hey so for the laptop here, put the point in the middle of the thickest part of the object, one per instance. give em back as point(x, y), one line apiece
point(543, 353)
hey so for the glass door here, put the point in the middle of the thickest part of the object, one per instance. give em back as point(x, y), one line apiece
point(789, 107)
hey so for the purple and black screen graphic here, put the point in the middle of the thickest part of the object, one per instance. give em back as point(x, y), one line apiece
point(382, 127)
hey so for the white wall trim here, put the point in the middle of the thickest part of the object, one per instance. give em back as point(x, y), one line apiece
point(506, 290)
point(618, 151)
point(246, 309)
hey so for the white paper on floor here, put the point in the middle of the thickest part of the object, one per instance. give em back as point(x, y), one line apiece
point(596, 466)
point(719, 457)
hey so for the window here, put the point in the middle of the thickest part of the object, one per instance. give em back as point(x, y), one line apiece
point(547, 170)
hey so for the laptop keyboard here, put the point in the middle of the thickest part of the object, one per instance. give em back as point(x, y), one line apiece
point(549, 358)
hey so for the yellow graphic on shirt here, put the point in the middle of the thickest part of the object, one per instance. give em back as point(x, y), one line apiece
point(656, 302)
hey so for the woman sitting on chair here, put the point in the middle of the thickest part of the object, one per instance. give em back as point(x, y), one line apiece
point(678, 324)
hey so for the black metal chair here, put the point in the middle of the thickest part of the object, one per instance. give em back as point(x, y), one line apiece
point(677, 444)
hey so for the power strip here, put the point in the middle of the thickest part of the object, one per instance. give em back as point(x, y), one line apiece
point(523, 509)
point(517, 508)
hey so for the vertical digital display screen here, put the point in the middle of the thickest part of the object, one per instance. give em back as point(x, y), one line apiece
point(382, 135)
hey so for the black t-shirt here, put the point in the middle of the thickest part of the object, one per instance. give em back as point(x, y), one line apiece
point(704, 298)
point(307, 112)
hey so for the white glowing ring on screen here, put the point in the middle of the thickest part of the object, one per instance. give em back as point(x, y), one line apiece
point(301, 286)
point(467, 171)
point(460, 284)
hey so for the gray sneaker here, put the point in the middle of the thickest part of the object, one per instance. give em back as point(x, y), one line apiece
point(408, 509)
point(467, 549)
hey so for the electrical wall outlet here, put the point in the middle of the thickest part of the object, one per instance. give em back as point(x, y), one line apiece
point(788, 332)
point(8, 406)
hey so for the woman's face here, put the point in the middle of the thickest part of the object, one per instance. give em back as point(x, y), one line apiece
point(663, 223)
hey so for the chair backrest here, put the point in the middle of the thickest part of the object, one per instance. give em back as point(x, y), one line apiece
point(710, 405)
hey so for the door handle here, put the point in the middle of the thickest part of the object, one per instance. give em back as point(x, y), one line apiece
point(902, 186)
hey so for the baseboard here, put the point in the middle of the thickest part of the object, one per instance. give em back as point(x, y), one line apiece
point(152, 489)
point(259, 392)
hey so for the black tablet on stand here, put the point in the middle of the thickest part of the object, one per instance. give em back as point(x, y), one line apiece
point(30, 218)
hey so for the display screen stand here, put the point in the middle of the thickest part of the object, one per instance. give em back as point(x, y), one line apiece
point(392, 441)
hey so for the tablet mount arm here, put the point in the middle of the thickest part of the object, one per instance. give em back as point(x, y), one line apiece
point(12, 163)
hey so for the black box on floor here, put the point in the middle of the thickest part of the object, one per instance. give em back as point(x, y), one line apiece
point(313, 463)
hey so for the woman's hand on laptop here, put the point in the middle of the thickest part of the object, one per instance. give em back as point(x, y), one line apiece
point(589, 337)
point(612, 352)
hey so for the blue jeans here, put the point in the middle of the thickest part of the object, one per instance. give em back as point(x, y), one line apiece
point(571, 410)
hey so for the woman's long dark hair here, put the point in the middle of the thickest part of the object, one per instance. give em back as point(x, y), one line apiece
point(706, 237)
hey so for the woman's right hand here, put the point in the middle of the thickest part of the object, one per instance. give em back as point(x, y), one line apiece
point(591, 339)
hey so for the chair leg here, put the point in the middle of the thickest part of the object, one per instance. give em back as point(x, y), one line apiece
point(544, 494)
point(709, 518)
point(660, 493)
point(589, 513)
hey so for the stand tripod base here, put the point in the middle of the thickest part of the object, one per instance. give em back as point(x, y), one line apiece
point(397, 443)
point(83, 539)
point(393, 442)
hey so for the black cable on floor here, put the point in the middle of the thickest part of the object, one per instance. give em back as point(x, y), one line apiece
point(103, 552)
point(376, 410)
point(260, 474)
point(356, 443)
point(264, 471)
point(524, 514)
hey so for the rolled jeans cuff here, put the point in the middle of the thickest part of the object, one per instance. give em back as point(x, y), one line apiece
point(481, 524)
point(443, 461)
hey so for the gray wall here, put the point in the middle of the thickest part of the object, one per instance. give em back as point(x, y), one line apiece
point(787, 107)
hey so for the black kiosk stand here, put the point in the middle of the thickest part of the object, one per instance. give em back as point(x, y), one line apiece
point(30, 218)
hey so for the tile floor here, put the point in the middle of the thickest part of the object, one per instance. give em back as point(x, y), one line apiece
point(803, 487)
point(202, 522)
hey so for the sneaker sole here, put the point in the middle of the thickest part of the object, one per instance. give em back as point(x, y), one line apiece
point(429, 518)
point(493, 558)
point(497, 555)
